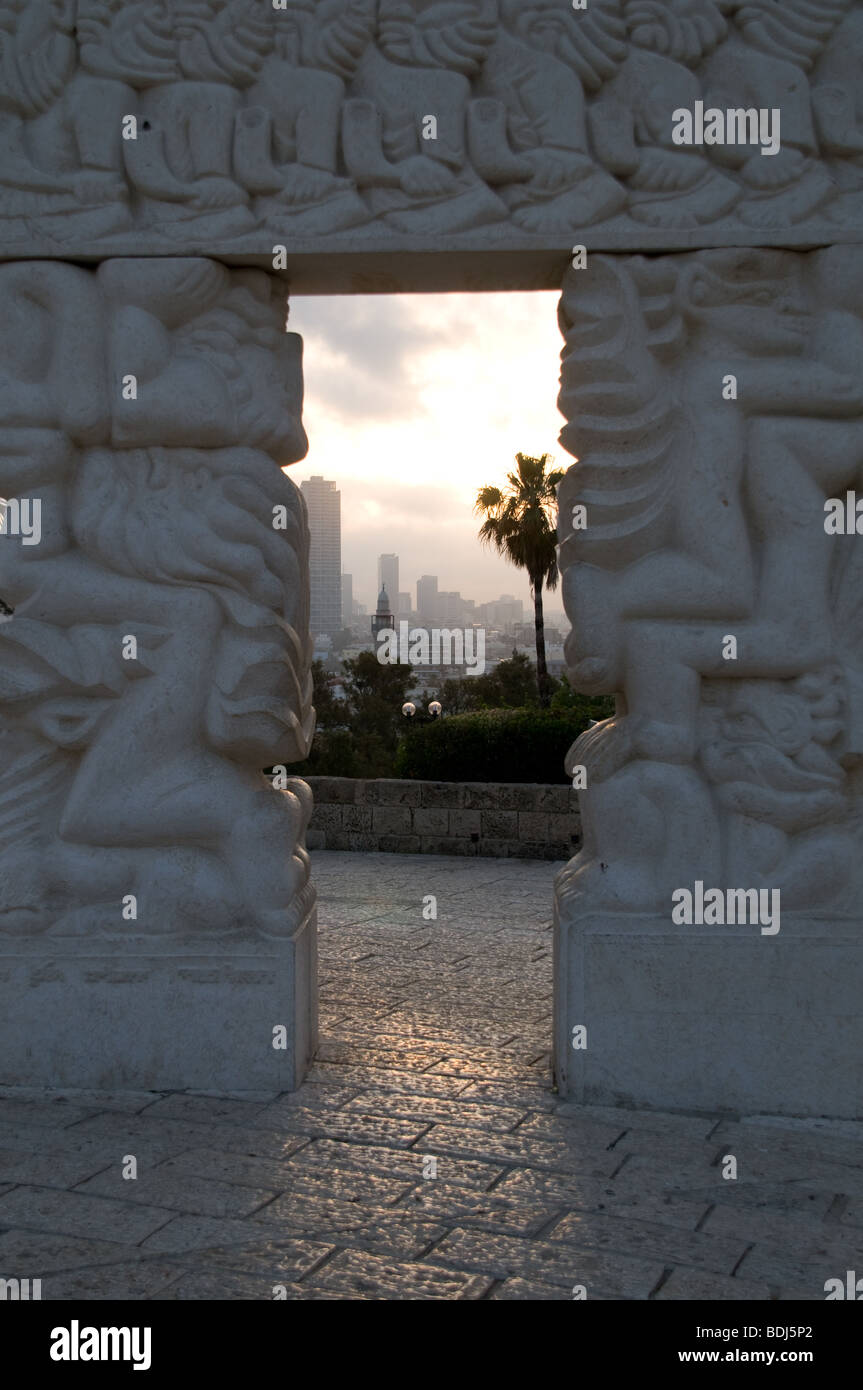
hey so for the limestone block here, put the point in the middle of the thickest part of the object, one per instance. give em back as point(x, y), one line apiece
point(502, 132)
point(400, 844)
point(430, 821)
point(501, 848)
point(532, 825)
point(712, 1018)
point(553, 799)
point(356, 818)
point(563, 827)
point(464, 823)
point(391, 820)
point(450, 795)
point(433, 845)
point(153, 1012)
point(157, 655)
point(390, 791)
point(330, 818)
point(499, 825)
point(340, 791)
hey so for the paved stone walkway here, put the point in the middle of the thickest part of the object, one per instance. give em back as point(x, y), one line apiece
point(434, 1054)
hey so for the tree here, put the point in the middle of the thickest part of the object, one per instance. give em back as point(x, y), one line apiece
point(520, 523)
point(330, 712)
point(358, 736)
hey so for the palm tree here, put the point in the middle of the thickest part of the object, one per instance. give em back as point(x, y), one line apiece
point(520, 522)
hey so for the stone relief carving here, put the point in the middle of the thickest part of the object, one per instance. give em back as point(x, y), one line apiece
point(256, 125)
point(148, 406)
point(705, 519)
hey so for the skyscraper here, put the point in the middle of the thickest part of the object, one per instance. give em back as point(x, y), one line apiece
point(323, 501)
point(347, 599)
point(427, 598)
point(388, 575)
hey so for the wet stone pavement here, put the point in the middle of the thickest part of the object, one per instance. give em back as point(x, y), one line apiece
point(427, 1156)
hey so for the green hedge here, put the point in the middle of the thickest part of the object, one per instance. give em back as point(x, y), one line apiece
point(496, 745)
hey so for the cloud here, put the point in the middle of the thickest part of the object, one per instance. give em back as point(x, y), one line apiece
point(364, 354)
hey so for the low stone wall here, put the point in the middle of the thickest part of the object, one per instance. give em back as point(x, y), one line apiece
point(500, 819)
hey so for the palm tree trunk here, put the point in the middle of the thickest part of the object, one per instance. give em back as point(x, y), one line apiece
point(541, 668)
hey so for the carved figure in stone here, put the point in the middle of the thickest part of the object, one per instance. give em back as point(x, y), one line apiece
point(543, 60)
point(140, 776)
point(648, 584)
point(425, 54)
point(764, 63)
point(37, 59)
point(122, 48)
point(631, 121)
point(182, 162)
point(838, 112)
point(772, 752)
point(287, 138)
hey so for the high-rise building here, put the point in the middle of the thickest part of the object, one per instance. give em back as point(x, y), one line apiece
point(450, 609)
point(427, 598)
point(323, 501)
point(404, 607)
point(388, 575)
point(505, 612)
point(347, 599)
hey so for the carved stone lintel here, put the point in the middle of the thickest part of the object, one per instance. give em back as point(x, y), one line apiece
point(374, 127)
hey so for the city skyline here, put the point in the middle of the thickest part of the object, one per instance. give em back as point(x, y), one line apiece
point(414, 402)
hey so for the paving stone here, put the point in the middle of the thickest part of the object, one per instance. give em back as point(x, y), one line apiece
point(407, 1164)
point(512, 1290)
point(179, 1192)
point(207, 1285)
point(181, 1105)
point(362, 1128)
point(534, 1096)
point(276, 1260)
point(436, 1110)
point(79, 1214)
point(40, 1255)
point(439, 1201)
point(576, 1130)
point(618, 1276)
point(696, 1127)
point(767, 1264)
point(359, 1275)
point(247, 1170)
point(516, 1149)
point(53, 1114)
point(594, 1231)
point(767, 1196)
point(395, 1080)
point(692, 1284)
point(153, 1140)
point(47, 1170)
point(136, 1280)
point(802, 1239)
point(601, 1195)
point(127, 1101)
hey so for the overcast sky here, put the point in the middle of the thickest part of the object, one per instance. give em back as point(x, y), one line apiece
point(413, 402)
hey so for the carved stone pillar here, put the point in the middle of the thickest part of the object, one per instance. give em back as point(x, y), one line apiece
point(715, 406)
point(156, 918)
